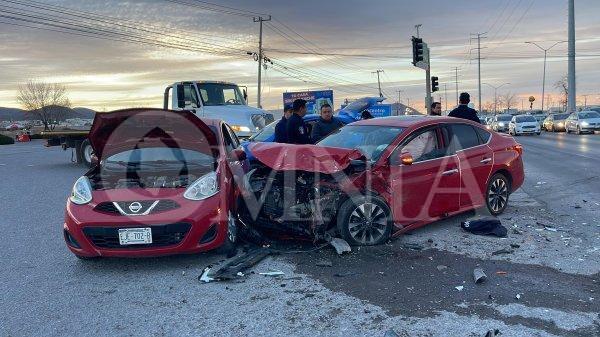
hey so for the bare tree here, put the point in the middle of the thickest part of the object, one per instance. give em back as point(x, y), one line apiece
point(47, 101)
point(563, 87)
point(508, 100)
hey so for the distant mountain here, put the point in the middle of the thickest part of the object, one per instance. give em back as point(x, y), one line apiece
point(16, 114)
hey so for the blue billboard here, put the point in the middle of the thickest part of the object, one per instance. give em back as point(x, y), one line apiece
point(314, 99)
point(381, 110)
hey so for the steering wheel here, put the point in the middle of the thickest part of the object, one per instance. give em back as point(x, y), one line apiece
point(232, 101)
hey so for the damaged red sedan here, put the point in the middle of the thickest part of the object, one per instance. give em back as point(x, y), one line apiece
point(381, 177)
point(161, 184)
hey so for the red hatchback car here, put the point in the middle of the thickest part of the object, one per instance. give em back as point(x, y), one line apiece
point(161, 185)
point(383, 176)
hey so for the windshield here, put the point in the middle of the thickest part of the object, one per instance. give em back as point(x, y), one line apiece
point(560, 116)
point(357, 106)
point(265, 133)
point(522, 119)
point(220, 94)
point(370, 140)
point(503, 118)
point(588, 115)
point(160, 156)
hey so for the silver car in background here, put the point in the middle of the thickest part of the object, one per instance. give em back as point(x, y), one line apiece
point(500, 122)
point(583, 122)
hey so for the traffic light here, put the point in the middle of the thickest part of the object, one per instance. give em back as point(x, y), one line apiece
point(434, 84)
point(417, 45)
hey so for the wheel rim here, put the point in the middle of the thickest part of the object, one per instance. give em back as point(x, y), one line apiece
point(367, 223)
point(498, 195)
point(87, 153)
point(231, 228)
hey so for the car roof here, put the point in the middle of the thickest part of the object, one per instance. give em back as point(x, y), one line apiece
point(407, 121)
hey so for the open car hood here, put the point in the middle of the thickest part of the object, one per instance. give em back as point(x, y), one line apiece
point(311, 158)
point(129, 129)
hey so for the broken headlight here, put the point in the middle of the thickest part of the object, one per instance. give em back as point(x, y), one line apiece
point(204, 187)
point(82, 191)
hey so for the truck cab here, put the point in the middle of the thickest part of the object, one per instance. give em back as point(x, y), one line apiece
point(218, 100)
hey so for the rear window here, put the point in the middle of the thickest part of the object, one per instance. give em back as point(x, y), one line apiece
point(462, 136)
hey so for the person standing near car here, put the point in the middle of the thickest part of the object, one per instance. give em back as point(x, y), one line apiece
point(297, 132)
point(436, 109)
point(281, 126)
point(463, 111)
point(326, 124)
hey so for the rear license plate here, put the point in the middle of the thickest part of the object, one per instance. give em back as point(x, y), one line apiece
point(135, 236)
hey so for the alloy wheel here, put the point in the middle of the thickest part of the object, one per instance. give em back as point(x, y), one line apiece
point(498, 195)
point(367, 223)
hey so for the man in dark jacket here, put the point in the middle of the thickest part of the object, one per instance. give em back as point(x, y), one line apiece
point(463, 111)
point(326, 124)
point(281, 126)
point(297, 132)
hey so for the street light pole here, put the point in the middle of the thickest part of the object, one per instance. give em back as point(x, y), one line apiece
point(544, 76)
point(495, 95)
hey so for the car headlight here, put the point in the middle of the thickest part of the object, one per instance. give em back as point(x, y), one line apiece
point(204, 187)
point(560, 125)
point(585, 124)
point(240, 128)
point(501, 124)
point(82, 191)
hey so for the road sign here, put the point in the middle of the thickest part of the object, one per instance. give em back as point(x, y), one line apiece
point(381, 110)
point(314, 99)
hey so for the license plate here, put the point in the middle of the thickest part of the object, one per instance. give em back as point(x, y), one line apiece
point(135, 236)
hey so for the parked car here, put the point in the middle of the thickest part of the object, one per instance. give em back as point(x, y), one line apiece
point(500, 122)
point(161, 184)
point(583, 121)
point(555, 122)
point(380, 177)
point(523, 125)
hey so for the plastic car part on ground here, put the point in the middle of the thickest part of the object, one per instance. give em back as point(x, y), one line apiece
point(234, 267)
point(485, 226)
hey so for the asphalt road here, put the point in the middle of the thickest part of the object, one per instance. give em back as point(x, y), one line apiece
point(45, 291)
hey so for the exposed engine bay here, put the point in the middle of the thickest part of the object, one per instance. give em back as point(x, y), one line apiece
point(298, 202)
point(105, 179)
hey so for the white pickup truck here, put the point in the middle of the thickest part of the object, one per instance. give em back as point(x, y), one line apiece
point(219, 100)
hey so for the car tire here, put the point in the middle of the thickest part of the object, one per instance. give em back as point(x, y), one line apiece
point(539, 133)
point(578, 130)
point(365, 221)
point(497, 193)
point(85, 153)
point(552, 128)
point(231, 240)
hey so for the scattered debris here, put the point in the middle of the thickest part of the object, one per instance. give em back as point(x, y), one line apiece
point(344, 274)
point(485, 226)
point(493, 333)
point(501, 272)
point(272, 273)
point(518, 296)
point(324, 263)
point(340, 245)
point(413, 246)
point(441, 267)
point(503, 251)
point(430, 240)
point(551, 229)
point(577, 206)
point(459, 288)
point(234, 267)
point(516, 231)
point(391, 333)
point(515, 245)
point(478, 275)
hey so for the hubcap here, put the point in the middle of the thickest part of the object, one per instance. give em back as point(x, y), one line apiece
point(87, 153)
point(231, 228)
point(498, 195)
point(367, 223)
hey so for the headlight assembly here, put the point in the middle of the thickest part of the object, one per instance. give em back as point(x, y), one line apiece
point(204, 187)
point(82, 191)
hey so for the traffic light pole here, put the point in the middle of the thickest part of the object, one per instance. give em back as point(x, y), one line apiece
point(428, 84)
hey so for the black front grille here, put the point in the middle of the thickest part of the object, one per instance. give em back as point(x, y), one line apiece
point(162, 206)
point(162, 235)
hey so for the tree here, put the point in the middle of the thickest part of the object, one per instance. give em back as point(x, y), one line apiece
point(508, 100)
point(47, 101)
point(563, 87)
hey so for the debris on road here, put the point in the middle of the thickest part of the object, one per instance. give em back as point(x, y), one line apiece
point(413, 246)
point(501, 272)
point(441, 267)
point(340, 245)
point(391, 333)
point(551, 229)
point(344, 274)
point(493, 333)
point(324, 263)
point(234, 267)
point(485, 226)
point(515, 245)
point(478, 275)
point(273, 273)
point(503, 251)
point(459, 288)
point(518, 296)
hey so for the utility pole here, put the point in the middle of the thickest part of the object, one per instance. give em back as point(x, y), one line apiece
point(399, 91)
point(446, 96)
point(260, 20)
point(544, 76)
point(479, 37)
point(428, 82)
point(572, 105)
point(585, 101)
point(456, 83)
point(378, 81)
point(496, 96)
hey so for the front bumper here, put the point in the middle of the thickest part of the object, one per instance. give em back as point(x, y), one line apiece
point(194, 227)
point(527, 131)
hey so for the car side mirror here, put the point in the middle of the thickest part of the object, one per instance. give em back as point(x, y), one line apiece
point(245, 95)
point(238, 155)
point(405, 158)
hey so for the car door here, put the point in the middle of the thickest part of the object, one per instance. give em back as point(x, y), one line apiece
point(236, 166)
point(429, 187)
point(469, 144)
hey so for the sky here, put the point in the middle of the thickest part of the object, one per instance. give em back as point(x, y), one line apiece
point(313, 44)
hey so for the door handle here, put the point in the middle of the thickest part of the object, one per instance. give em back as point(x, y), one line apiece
point(450, 172)
point(486, 160)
